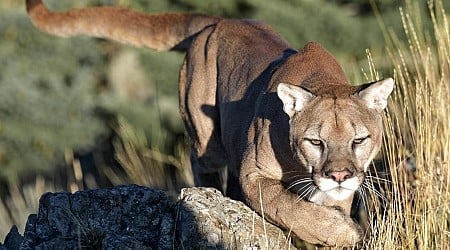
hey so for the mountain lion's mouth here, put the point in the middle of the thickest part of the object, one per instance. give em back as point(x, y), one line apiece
point(338, 190)
point(339, 193)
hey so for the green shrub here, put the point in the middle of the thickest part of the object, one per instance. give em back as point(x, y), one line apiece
point(47, 96)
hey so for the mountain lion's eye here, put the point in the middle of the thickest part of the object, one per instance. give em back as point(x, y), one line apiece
point(315, 142)
point(360, 140)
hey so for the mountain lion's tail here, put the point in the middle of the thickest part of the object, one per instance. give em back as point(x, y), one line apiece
point(159, 32)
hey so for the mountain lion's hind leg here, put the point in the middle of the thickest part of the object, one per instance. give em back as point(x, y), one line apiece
point(207, 172)
point(201, 119)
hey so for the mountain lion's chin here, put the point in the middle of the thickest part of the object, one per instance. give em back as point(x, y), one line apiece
point(340, 193)
point(337, 194)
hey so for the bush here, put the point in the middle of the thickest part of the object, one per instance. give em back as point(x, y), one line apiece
point(47, 96)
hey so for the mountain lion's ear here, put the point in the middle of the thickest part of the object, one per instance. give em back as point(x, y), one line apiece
point(375, 94)
point(294, 98)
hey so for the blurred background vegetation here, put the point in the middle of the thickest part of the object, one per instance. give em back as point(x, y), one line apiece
point(86, 113)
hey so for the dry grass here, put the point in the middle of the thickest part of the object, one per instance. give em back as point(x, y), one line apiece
point(149, 167)
point(418, 128)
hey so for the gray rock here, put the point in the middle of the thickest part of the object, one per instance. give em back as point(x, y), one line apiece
point(223, 223)
point(12, 240)
point(134, 217)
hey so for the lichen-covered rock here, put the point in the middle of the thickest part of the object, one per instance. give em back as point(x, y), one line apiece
point(220, 221)
point(134, 217)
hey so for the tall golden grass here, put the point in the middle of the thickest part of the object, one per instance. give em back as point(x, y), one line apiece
point(149, 167)
point(417, 135)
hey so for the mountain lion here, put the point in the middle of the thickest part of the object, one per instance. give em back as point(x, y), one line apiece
point(296, 137)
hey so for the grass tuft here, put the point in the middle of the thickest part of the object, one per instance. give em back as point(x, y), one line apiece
point(417, 143)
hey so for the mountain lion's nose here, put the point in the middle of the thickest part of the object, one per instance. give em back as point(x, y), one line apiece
point(339, 176)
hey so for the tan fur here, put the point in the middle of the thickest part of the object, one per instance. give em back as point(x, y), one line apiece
point(286, 123)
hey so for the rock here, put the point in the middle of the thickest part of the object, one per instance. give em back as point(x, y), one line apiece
point(12, 240)
point(223, 223)
point(134, 217)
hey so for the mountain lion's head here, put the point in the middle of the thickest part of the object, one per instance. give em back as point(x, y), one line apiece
point(335, 135)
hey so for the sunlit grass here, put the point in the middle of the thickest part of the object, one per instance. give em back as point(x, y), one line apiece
point(418, 128)
point(149, 167)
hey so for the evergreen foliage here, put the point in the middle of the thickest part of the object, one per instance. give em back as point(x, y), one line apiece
point(47, 96)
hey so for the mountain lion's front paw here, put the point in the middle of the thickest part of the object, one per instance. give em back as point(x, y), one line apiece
point(327, 226)
point(344, 232)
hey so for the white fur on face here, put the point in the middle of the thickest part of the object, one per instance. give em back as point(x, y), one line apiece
point(338, 191)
